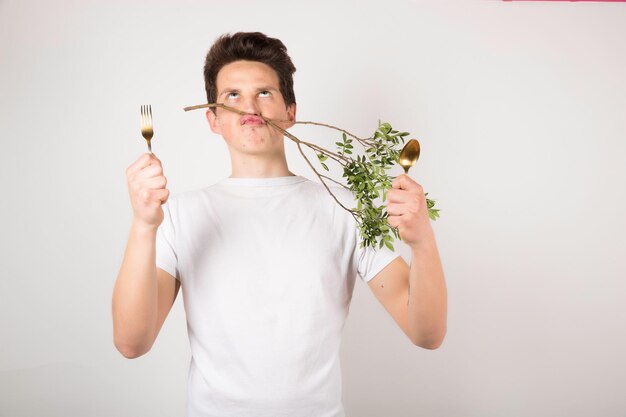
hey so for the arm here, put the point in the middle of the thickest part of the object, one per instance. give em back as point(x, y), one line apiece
point(143, 294)
point(415, 297)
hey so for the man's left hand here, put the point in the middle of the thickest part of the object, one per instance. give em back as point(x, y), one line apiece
point(406, 205)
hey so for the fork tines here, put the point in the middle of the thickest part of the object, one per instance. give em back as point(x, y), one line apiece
point(147, 130)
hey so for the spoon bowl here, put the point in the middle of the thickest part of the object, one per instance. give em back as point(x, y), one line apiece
point(409, 154)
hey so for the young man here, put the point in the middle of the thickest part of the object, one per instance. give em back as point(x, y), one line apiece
point(266, 259)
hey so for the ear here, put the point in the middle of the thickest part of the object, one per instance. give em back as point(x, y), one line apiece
point(291, 115)
point(214, 123)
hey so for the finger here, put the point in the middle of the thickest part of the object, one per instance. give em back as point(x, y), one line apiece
point(154, 161)
point(395, 209)
point(400, 196)
point(142, 162)
point(162, 195)
point(149, 197)
point(155, 183)
point(394, 221)
point(404, 182)
point(149, 171)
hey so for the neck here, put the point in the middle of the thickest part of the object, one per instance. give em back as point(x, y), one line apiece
point(259, 166)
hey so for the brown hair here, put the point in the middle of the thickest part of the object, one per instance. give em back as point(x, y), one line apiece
point(249, 46)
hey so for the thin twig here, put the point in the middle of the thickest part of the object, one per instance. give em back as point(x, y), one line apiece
point(324, 183)
point(332, 127)
point(363, 141)
point(223, 106)
point(337, 157)
point(273, 122)
point(336, 182)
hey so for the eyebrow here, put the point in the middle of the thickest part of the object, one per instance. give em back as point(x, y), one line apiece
point(227, 90)
point(267, 89)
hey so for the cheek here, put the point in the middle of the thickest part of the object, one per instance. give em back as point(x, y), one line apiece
point(227, 121)
point(273, 110)
point(228, 132)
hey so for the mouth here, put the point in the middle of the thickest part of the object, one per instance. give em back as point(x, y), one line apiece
point(252, 120)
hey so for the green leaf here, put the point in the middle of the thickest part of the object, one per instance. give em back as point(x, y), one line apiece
point(433, 214)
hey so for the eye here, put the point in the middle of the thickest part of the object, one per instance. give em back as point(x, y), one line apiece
point(265, 93)
point(232, 95)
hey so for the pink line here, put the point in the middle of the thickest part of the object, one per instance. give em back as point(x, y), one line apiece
point(604, 1)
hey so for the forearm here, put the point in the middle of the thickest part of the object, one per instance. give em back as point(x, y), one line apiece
point(428, 300)
point(135, 296)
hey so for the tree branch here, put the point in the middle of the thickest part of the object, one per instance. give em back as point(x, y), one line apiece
point(363, 141)
point(364, 175)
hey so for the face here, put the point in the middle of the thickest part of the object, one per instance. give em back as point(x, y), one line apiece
point(252, 87)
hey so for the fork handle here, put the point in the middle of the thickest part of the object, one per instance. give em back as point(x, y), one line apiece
point(149, 146)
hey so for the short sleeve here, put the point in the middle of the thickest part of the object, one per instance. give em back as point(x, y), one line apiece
point(372, 260)
point(369, 261)
point(166, 258)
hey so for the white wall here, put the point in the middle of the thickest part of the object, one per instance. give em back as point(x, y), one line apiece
point(520, 108)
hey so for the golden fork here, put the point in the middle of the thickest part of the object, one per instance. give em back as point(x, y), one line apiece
point(146, 125)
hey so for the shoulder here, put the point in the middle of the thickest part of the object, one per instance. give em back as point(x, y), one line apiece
point(326, 192)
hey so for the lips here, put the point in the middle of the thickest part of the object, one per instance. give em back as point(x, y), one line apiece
point(252, 120)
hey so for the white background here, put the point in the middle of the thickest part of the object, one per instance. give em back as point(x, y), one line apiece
point(521, 111)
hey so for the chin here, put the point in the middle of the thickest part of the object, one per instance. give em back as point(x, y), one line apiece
point(255, 147)
point(255, 143)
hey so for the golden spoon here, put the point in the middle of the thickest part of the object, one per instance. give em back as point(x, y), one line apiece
point(409, 154)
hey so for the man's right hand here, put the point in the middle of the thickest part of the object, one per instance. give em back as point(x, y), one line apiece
point(147, 189)
point(143, 293)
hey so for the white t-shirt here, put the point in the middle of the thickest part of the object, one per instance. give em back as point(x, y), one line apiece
point(267, 267)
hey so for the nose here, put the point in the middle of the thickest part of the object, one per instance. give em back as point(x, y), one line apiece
point(251, 106)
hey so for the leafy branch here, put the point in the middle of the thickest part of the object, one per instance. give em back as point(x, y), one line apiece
point(365, 175)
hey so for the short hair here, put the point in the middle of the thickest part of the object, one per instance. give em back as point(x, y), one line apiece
point(249, 46)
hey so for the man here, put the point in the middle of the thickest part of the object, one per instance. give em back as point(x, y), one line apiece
point(266, 259)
